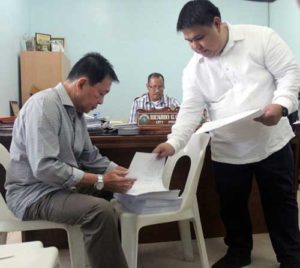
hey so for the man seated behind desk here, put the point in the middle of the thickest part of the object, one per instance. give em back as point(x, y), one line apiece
point(56, 173)
point(154, 99)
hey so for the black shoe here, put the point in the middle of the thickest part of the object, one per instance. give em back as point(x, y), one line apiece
point(289, 265)
point(233, 260)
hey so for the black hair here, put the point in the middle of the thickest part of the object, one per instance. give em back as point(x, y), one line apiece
point(157, 75)
point(93, 66)
point(197, 12)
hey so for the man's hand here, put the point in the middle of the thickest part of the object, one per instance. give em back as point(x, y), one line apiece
point(115, 180)
point(271, 116)
point(164, 149)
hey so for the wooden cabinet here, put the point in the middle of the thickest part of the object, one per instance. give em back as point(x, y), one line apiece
point(41, 70)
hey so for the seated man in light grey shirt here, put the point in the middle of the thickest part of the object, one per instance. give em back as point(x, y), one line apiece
point(55, 171)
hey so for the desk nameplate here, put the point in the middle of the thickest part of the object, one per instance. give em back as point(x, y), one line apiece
point(156, 118)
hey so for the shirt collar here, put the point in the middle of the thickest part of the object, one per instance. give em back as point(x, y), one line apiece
point(65, 98)
point(234, 35)
point(161, 100)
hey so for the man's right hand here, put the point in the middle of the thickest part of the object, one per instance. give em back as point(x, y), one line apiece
point(115, 180)
point(164, 149)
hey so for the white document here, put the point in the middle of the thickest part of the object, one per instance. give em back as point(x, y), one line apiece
point(147, 170)
point(244, 116)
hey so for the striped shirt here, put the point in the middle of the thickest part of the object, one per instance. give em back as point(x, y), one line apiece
point(145, 103)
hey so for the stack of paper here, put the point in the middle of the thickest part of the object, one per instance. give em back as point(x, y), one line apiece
point(148, 194)
point(128, 129)
point(125, 129)
point(93, 123)
point(6, 125)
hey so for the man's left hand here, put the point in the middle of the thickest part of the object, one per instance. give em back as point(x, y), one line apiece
point(271, 116)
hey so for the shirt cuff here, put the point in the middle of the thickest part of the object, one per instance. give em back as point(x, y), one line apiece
point(285, 103)
point(175, 144)
point(111, 166)
point(78, 175)
point(75, 178)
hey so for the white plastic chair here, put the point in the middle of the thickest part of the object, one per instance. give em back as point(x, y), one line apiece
point(28, 255)
point(10, 223)
point(131, 223)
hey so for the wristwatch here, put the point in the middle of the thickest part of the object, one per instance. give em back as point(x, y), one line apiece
point(285, 111)
point(99, 184)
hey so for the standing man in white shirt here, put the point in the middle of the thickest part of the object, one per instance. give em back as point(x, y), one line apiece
point(154, 99)
point(237, 68)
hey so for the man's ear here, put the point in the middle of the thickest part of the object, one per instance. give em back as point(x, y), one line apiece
point(217, 22)
point(81, 82)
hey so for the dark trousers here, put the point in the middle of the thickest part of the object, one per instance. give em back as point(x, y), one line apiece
point(274, 177)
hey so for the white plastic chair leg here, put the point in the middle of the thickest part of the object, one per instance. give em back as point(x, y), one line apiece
point(3, 238)
point(76, 247)
point(185, 234)
point(87, 261)
point(200, 239)
point(129, 240)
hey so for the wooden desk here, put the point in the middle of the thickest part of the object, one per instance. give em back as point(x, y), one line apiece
point(121, 149)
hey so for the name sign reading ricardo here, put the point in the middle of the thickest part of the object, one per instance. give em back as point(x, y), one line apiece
point(165, 117)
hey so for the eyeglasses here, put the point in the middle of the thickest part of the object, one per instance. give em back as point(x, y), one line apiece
point(157, 87)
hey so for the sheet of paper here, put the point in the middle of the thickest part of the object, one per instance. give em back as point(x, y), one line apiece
point(147, 170)
point(212, 125)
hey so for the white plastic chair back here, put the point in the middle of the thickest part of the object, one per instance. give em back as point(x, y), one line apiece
point(131, 222)
point(10, 223)
point(4, 156)
point(195, 150)
point(28, 255)
point(5, 213)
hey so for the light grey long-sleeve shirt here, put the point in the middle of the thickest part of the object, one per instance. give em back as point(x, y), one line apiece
point(50, 150)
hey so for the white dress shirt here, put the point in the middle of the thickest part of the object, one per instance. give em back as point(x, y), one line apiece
point(256, 68)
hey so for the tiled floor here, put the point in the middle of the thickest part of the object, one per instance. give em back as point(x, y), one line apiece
point(170, 255)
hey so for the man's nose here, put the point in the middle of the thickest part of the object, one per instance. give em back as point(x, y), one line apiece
point(100, 101)
point(196, 45)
